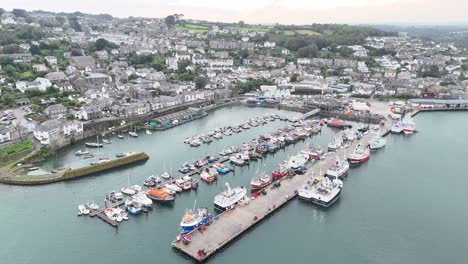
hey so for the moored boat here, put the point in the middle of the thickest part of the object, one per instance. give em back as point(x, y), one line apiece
point(338, 169)
point(194, 219)
point(377, 142)
point(260, 182)
point(229, 197)
point(160, 195)
point(359, 155)
point(321, 190)
point(220, 168)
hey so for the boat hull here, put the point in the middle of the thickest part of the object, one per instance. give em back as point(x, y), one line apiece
point(187, 229)
point(168, 200)
point(321, 202)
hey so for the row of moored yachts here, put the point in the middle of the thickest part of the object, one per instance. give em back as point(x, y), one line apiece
point(220, 132)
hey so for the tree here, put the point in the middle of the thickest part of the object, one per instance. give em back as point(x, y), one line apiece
point(19, 13)
point(8, 99)
point(310, 51)
point(465, 66)
point(201, 82)
point(35, 108)
point(76, 52)
point(10, 49)
point(103, 43)
point(61, 20)
point(170, 20)
point(70, 117)
point(241, 23)
point(35, 50)
point(182, 66)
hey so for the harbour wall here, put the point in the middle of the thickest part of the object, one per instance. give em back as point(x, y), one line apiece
point(75, 173)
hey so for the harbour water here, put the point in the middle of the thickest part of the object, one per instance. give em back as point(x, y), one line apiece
point(406, 205)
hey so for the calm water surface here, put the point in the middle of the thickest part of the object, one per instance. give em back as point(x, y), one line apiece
point(406, 205)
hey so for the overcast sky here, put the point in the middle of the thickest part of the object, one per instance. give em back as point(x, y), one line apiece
point(269, 11)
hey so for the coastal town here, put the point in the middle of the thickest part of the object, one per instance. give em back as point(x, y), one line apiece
point(296, 108)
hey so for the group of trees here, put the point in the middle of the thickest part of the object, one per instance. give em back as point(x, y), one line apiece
point(328, 36)
point(156, 62)
point(19, 33)
point(103, 44)
point(252, 85)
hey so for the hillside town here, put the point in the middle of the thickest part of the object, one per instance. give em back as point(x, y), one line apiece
point(63, 74)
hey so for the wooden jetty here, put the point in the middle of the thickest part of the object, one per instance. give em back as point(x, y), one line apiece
point(230, 225)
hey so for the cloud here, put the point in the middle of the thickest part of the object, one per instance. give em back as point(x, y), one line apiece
point(263, 11)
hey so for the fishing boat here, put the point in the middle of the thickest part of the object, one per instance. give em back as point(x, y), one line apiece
point(337, 123)
point(160, 195)
point(397, 128)
point(408, 126)
point(359, 155)
point(297, 161)
point(280, 172)
point(220, 168)
point(229, 197)
point(260, 182)
point(335, 144)
point(133, 209)
point(83, 210)
point(209, 175)
point(184, 183)
point(321, 190)
point(338, 169)
point(81, 152)
point(377, 142)
point(194, 219)
point(237, 160)
point(316, 152)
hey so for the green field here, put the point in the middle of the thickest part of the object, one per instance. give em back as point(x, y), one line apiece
point(253, 28)
point(193, 27)
point(307, 32)
point(16, 148)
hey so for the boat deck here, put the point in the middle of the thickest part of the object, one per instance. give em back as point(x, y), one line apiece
point(231, 224)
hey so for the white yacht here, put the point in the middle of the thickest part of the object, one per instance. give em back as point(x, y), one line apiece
point(128, 190)
point(172, 187)
point(83, 210)
point(229, 197)
point(321, 190)
point(141, 199)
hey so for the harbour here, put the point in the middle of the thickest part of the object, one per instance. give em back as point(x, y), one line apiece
point(231, 224)
point(370, 185)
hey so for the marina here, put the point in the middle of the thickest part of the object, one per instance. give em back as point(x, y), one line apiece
point(231, 224)
point(294, 222)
